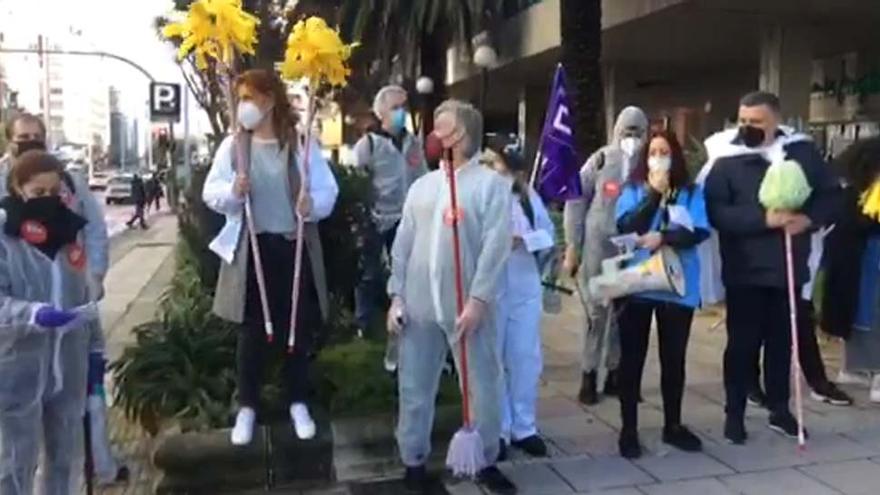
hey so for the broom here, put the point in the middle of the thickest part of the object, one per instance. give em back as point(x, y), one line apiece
point(465, 455)
point(795, 351)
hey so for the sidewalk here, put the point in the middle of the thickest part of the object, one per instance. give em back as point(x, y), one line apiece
point(141, 266)
point(842, 456)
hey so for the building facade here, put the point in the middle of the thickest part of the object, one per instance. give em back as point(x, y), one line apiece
point(687, 62)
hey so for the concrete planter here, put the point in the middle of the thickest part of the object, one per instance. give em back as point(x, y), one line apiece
point(207, 463)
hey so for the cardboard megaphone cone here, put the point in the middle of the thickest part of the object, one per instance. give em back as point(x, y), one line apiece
point(661, 272)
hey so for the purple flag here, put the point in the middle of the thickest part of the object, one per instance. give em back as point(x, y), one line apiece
point(560, 172)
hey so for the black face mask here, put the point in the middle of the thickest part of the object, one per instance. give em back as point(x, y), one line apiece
point(752, 136)
point(24, 146)
point(46, 223)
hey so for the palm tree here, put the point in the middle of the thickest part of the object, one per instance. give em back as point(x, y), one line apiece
point(581, 55)
point(413, 35)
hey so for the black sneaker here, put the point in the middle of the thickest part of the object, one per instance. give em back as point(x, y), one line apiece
point(681, 438)
point(785, 424)
point(830, 394)
point(533, 445)
point(494, 480)
point(502, 450)
point(610, 388)
point(629, 445)
point(588, 395)
point(416, 479)
point(735, 430)
point(758, 398)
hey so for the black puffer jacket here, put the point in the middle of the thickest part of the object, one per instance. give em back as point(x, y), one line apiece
point(751, 253)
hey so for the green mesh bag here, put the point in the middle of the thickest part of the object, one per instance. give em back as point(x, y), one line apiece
point(785, 187)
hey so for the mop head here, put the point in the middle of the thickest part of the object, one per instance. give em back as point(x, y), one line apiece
point(465, 456)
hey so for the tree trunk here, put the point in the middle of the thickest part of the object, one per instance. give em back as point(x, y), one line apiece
point(581, 56)
point(433, 65)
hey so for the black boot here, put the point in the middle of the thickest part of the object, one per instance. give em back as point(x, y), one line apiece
point(416, 479)
point(494, 480)
point(588, 395)
point(610, 383)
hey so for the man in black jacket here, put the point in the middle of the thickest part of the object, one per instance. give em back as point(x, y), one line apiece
point(753, 256)
point(139, 197)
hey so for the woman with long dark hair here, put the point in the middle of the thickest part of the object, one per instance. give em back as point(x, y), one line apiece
point(664, 208)
point(851, 304)
point(262, 164)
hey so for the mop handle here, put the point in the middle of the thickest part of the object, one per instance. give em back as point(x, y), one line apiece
point(255, 248)
point(300, 232)
point(795, 351)
point(459, 296)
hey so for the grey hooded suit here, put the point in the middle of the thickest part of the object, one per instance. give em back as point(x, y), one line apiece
point(590, 222)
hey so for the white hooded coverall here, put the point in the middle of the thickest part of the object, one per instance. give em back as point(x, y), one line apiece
point(35, 408)
point(518, 318)
point(423, 275)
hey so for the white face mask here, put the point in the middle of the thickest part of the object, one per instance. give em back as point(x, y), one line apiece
point(629, 145)
point(659, 163)
point(249, 115)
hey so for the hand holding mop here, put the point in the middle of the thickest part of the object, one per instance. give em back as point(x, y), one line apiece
point(465, 456)
point(785, 187)
point(242, 167)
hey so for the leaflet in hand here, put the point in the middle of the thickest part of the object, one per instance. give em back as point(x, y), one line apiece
point(537, 240)
point(680, 216)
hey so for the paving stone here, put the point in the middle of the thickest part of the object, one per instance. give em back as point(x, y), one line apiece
point(558, 407)
point(707, 486)
point(463, 488)
point(602, 444)
point(567, 426)
point(678, 465)
point(771, 453)
point(778, 482)
point(616, 491)
point(600, 473)
point(536, 479)
point(860, 477)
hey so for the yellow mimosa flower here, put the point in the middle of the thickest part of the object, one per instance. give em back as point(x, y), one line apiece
point(215, 29)
point(315, 51)
point(870, 201)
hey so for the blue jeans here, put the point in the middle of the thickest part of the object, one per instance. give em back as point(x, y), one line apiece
point(370, 290)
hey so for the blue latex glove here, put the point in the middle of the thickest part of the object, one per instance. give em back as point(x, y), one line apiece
point(50, 317)
point(97, 368)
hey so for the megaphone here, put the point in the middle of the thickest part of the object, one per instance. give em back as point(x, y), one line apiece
point(661, 272)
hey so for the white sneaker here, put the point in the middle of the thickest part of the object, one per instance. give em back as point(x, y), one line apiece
point(846, 378)
point(243, 431)
point(875, 389)
point(302, 421)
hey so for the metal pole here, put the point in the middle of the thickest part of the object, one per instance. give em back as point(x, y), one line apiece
point(172, 170)
point(187, 166)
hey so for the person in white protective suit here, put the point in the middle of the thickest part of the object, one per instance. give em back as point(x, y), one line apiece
point(589, 224)
point(423, 292)
point(519, 302)
point(26, 132)
point(43, 340)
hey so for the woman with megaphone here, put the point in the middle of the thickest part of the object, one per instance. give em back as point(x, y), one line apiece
point(666, 210)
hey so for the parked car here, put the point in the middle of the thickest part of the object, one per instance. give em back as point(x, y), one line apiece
point(98, 181)
point(118, 189)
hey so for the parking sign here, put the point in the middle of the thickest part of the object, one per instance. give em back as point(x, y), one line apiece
point(164, 102)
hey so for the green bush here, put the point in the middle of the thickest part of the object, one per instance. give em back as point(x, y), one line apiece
point(181, 367)
point(351, 380)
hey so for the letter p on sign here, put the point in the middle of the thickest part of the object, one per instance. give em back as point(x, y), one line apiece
point(164, 102)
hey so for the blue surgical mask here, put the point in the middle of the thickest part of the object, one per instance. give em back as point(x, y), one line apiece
point(398, 120)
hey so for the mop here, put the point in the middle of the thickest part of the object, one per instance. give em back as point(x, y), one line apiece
point(785, 187)
point(465, 456)
point(242, 165)
point(300, 228)
point(795, 351)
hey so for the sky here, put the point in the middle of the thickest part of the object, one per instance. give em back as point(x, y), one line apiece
point(122, 27)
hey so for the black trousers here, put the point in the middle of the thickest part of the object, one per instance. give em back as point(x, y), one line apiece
point(254, 350)
point(138, 215)
point(674, 328)
point(756, 316)
point(810, 356)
